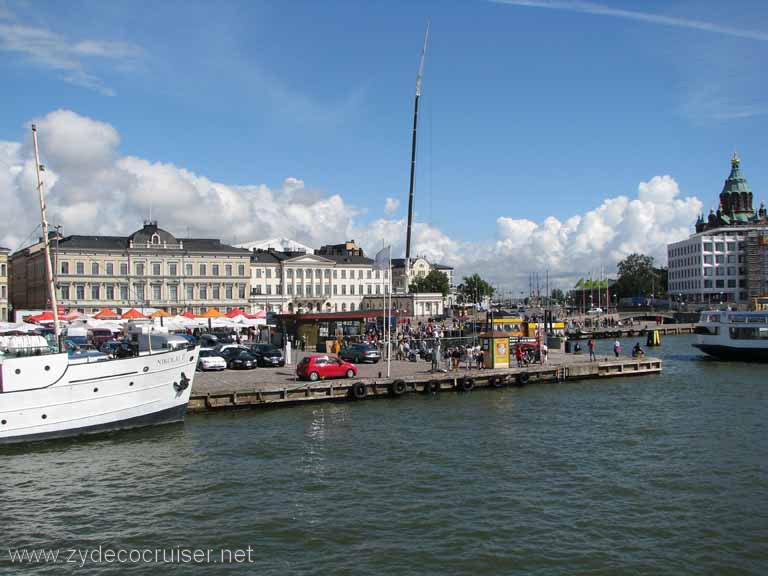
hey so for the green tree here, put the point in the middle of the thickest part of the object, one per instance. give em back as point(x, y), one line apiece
point(474, 288)
point(639, 277)
point(435, 281)
point(557, 296)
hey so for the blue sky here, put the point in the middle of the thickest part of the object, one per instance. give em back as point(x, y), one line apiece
point(530, 110)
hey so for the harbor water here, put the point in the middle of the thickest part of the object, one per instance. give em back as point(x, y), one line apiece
point(649, 475)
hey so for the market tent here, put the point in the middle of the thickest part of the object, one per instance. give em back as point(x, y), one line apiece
point(160, 314)
point(133, 314)
point(106, 314)
point(17, 327)
point(46, 316)
point(211, 313)
point(235, 312)
point(189, 315)
point(74, 315)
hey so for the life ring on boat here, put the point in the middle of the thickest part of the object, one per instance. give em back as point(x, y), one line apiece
point(182, 384)
point(397, 388)
point(358, 391)
point(466, 384)
point(523, 378)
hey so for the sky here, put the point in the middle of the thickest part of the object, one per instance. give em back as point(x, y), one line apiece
point(554, 136)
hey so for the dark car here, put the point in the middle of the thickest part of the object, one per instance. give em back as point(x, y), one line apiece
point(189, 338)
point(268, 355)
point(243, 360)
point(229, 353)
point(359, 353)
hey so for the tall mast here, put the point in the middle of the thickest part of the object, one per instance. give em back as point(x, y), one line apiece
point(413, 159)
point(46, 244)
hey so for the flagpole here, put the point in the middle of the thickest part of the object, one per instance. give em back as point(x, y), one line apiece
point(389, 313)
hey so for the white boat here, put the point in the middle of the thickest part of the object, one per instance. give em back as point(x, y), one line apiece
point(55, 395)
point(733, 335)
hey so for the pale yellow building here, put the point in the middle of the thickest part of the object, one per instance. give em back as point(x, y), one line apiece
point(148, 269)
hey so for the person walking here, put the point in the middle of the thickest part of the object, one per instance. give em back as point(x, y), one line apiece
point(591, 346)
point(519, 355)
point(617, 348)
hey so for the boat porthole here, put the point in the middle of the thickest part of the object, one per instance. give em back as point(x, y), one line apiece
point(191, 358)
point(18, 371)
point(146, 368)
point(95, 389)
point(4, 422)
point(47, 368)
point(130, 384)
point(45, 416)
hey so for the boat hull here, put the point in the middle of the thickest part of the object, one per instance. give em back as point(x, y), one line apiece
point(96, 397)
point(741, 354)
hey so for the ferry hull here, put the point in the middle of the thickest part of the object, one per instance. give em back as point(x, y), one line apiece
point(741, 354)
point(82, 399)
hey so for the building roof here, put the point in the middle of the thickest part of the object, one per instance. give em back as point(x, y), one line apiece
point(3, 249)
point(400, 263)
point(348, 259)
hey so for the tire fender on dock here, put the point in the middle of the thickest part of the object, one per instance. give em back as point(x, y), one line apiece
point(397, 388)
point(496, 381)
point(431, 387)
point(358, 391)
point(523, 378)
point(466, 384)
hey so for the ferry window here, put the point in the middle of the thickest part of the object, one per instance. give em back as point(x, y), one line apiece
point(758, 319)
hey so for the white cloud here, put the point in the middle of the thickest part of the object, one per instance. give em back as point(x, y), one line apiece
point(92, 189)
point(55, 52)
point(391, 205)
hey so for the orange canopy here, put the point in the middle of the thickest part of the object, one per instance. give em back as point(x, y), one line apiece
point(106, 314)
point(189, 315)
point(160, 314)
point(133, 314)
point(211, 313)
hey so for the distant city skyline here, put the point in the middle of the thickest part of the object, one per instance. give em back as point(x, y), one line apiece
point(554, 136)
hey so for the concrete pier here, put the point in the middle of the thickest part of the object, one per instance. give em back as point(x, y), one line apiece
point(274, 386)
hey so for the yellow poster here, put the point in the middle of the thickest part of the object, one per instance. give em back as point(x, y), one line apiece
point(501, 353)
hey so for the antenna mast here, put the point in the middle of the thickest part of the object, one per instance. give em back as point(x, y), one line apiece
point(413, 159)
point(46, 244)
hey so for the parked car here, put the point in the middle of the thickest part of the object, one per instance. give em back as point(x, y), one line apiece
point(359, 353)
point(210, 360)
point(189, 338)
point(243, 360)
point(317, 366)
point(209, 340)
point(230, 352)
point(595, 311)
point(268, 354)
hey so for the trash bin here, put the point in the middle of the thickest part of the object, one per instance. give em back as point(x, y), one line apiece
point(567, 346)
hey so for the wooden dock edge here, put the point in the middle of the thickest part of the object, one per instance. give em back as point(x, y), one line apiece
point(465, 381)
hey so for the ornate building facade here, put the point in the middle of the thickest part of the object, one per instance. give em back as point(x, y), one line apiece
point(4, 284)
point(148, 269)
point(726, 259)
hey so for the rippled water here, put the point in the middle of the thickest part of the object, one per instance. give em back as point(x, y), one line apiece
point(654, 475)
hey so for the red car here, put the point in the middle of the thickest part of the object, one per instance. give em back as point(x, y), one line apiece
point(319, 366)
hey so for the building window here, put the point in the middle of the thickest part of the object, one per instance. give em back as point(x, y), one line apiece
point(139, 269)
point(368, 275)
point(190, 292)
point(203, 293)
point(269, 272)
point(343, 289)
point(139, 291)
point(215, 269)
point(299, 291)
point(335, 289)
point(216, 292)
point(269, 289)
point(110, 292)
point(327, 273)
point(370, 289)
point(241, 269)
point(343, 306)
point(123, 268)
point(173, 292)
point(351, 306)
point(203, 270)
point(228, 269)
point(289, 273)
point(228, 291)
point(327, 289)
point(80, 292)
point(80, 268)
point(64, 268)
point(156, 292)
point(110, 269)
point(719, 246)
point(309, 289)
point(289, 289)
point(173, 269)
point(241, 291)
point(155, 238)
point(188, 269)
point(124, 292)
point(156, 268)
point(64, 292)
point(299, 273)
point(343, 274)
point(707, 246)
point(334, 274)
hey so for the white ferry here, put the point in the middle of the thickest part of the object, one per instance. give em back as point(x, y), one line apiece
point(733, 335)
point(53, 395)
